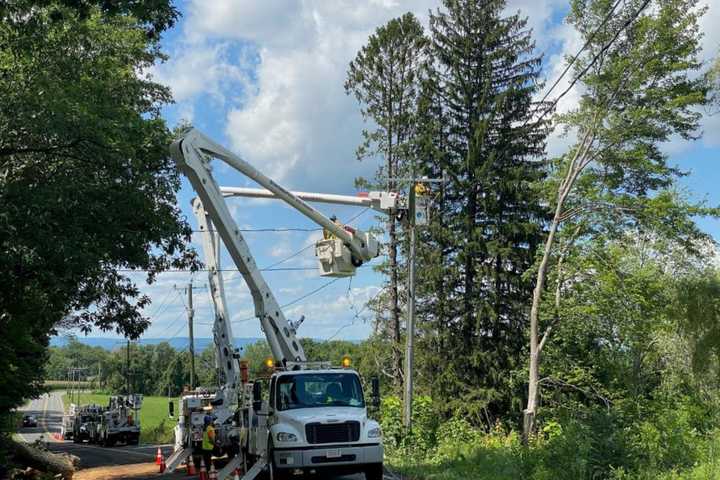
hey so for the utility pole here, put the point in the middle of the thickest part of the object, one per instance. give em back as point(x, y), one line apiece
point(191, 314)
point(127, 370)
point(410, 335)
point(414, 217)
point(191, 335)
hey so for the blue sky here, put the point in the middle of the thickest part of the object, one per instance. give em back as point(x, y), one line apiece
point(266, 80)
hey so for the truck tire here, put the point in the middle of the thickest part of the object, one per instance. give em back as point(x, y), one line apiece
point(374, 471)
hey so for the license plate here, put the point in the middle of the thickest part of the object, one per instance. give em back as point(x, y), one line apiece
point(334, 453)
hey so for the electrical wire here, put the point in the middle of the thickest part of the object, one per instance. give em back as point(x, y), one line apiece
point(577, 55)
point(594, 60)
point(162, 303)
point(299, 299)
point(357, 315)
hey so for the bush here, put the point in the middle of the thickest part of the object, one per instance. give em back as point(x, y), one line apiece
point(425, 424)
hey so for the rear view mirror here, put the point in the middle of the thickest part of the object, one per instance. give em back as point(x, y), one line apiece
point(375, 386)
point(171, 409)
point(257, 396)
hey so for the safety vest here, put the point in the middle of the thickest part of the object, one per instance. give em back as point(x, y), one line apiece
point(207, 443)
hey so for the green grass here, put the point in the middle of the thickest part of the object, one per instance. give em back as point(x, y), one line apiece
point(155, 426)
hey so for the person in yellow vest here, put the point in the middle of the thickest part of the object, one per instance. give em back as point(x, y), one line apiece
point(420, 189)
point(327, 234)
point(208, 441)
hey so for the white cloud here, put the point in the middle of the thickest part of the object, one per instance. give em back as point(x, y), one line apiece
point(298, 125)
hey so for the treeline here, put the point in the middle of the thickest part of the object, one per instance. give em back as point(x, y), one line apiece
point(571, 298)
point(164, 371)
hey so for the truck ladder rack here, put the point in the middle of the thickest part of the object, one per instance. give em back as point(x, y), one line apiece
point(255, 470)
point(227, 470)
point(176, 459)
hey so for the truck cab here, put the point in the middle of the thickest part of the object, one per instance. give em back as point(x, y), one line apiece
point(317, 421)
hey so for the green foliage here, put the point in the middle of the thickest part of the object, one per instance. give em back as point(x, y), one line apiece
point(663, 445)
point(476, 129)
point(698, 307)
point(385, 77)
point(86, 185)
point(425, 424)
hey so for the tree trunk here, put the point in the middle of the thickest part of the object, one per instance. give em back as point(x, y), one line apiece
point(394, 310)
point(30, 456)
point(574, 168)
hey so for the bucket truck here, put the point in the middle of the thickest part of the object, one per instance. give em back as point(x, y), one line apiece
point(314, 417)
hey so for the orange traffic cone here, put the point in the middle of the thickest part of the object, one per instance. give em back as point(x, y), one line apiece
point(158, 457)
point(203, 472)
point(162, 464)
point(213, 473)
point(191, 466)
point(237, 474)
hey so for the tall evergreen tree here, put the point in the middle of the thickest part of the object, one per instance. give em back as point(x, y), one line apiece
point(488, 219)
point(383, 77)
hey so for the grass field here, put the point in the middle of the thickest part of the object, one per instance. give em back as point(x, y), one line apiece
point(155, 425)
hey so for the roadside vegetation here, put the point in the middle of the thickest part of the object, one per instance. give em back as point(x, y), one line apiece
point(568, 304)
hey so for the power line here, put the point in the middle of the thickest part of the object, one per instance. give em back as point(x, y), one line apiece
point(290, 257)
point(594, 60)
point(160, 309)
point(303, 297)
point(577, 55)
point(357, 315)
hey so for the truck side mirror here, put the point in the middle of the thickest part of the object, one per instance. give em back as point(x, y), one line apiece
point(171, 409)
point(375, 385)
point(257, 396)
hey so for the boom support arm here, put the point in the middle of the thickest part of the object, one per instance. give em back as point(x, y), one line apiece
point(222, 331)
point(192, 152)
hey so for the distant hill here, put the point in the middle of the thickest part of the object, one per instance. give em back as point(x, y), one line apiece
point(177, 343)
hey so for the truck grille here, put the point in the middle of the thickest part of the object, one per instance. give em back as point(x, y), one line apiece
point(332, 432)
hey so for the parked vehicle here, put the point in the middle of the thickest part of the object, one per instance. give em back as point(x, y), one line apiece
point(29, 421)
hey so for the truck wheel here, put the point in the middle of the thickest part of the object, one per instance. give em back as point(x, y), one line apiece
point(374, 471)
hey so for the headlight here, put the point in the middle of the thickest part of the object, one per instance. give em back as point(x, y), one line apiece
point(375, 433)
point(286, 437)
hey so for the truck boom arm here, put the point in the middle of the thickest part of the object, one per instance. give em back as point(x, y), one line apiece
point(192, 152)
point(222, 331)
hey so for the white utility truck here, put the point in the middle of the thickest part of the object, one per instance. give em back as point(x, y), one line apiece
point(314, 418)
point(120, 421)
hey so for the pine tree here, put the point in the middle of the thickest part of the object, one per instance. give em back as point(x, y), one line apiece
point(383, 78)
point(488, 219)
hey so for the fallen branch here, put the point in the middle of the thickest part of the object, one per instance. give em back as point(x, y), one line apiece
point(31, 456)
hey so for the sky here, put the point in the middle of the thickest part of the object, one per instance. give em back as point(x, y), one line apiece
point(265, 79)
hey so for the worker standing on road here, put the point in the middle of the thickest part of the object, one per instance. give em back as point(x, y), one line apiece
point(208, 441)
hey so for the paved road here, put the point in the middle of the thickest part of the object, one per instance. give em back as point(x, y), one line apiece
point(48, 409)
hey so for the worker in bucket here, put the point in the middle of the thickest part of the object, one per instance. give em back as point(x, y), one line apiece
point(327, 234)
point(208, 441)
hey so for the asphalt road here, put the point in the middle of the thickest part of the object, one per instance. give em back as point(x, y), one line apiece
point(48, 410)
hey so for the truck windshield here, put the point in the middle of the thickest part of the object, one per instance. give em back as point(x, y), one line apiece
point(319, 390)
